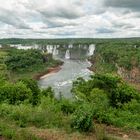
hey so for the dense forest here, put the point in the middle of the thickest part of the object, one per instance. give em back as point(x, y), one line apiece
point(123, 59)
point(103, 103)
point(16, 64)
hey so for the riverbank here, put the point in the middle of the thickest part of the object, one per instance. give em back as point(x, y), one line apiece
point(36, 72)
point(49, 71)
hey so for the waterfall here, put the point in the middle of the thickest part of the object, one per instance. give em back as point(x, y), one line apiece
point(91, 49)
point(49, 48)
point(67, 55)
point(70, 46)
point(55, 50)
point(36, 46)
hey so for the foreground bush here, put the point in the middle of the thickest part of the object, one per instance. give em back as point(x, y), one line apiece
point(83, 119)
point(33, 86)
point(114, 87)
point(48, 92)
point(24, 89)
point(14, 93)
point(67, 106)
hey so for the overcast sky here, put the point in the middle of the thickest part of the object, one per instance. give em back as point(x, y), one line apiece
point(69, 18)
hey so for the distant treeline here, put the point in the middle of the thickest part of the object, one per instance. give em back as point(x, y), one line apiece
point(135, 41)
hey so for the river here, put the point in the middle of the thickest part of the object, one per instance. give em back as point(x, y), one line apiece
point(75, 65)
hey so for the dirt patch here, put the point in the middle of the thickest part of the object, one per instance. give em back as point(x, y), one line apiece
point(47, 134)
point(1, 138)
point(126, 135)
point(110, 131)
point(45, 73)
point(50, 71)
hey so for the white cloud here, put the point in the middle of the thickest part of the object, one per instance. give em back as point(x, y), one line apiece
point(69, 18)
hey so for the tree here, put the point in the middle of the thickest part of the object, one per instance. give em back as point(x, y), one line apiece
point(33, 86)
point(14, 93)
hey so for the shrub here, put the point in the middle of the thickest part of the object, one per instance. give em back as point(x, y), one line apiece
point(99, 98)
point(122, 94)
point(48, 92)
point(115, 88)
point(133, 106)
point(14, 93)
point(33, 86)
point(100, 104)
point(67, 106)
point(6, 132)
point(105, 81)
point(83, 118)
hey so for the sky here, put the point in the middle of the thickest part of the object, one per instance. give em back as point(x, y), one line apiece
point(69, 18)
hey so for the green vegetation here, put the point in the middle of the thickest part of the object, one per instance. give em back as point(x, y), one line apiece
point(21, 60)
point(109, 98)
point(121, 41)
point(17, 64)
point(105, 99)
point(3, 70)
point(117, 57)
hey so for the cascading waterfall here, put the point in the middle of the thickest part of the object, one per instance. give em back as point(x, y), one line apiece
point(49, 48)
point(91, 49)
point(70, 46)
point(36, 46)
point(67, 55)
point(54, 50)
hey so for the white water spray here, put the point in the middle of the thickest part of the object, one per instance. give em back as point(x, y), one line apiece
point(91, 50)
point(67, 55)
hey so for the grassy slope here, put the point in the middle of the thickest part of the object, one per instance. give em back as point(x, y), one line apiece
point(9, 130)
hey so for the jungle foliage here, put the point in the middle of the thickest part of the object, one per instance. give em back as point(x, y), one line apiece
point(103, 99)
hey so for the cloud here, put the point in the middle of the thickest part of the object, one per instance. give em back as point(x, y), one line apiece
point(69, 18)
point(9, 17)
point(130, 4)
point(53, 9)
point(104, 30)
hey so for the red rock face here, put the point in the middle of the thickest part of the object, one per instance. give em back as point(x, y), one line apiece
point(135, 74)
point(132, 76)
